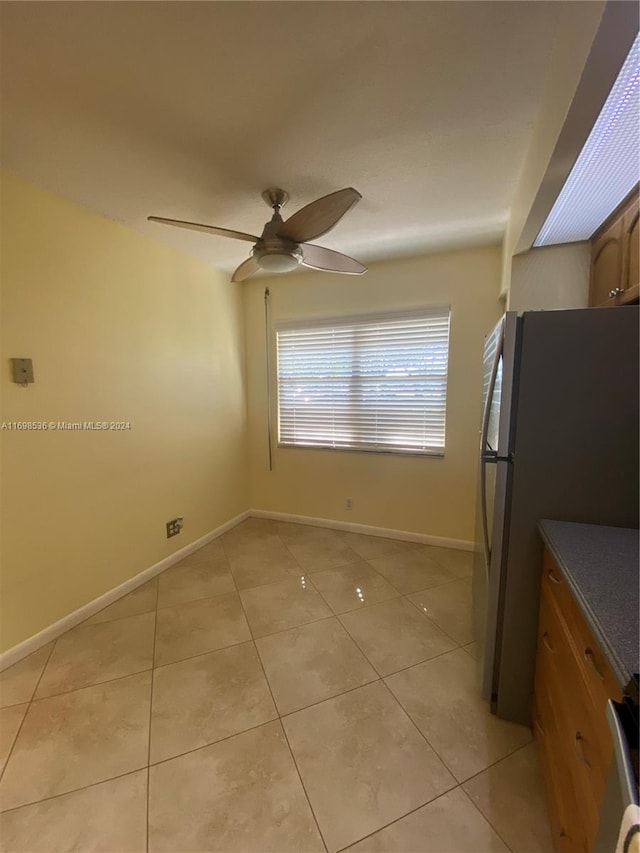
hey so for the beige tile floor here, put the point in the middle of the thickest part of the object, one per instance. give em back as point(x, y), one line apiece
point(285, 688)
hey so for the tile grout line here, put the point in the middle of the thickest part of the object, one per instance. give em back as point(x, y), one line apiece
point(329, 698)
point(362, 651)
point(131, 674)
point(295, 764)
point(72, 791)
point(330, 568)
point(396, 820)
point(202, 654)
point(246, 619)
point(420, 662)
point(433, 622)
point(275, 705)
point(486, 817)
point(498, 760)
point(153, 669)
point(88, 620)
point(15, 704)
point(480, 772)
point(193, 600)
point(293, 627)
point(402, 669)
point(357, 607)
point(215, 742)
point(284, 545)
point(29, 704)
point(93, 684)
point(424, 805)
point(424, 737)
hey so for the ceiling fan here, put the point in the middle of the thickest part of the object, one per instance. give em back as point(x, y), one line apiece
point(283, 245)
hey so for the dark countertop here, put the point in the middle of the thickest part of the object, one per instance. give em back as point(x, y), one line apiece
point(600, 564)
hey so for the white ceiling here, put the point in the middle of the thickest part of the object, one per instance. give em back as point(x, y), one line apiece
point(189, 110)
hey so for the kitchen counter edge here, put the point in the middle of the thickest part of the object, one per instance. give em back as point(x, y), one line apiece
point(566, 543)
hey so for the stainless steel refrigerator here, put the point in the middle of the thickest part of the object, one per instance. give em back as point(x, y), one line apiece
point(559, 439)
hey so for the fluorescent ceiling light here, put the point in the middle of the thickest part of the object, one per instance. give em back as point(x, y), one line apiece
point(608, 167)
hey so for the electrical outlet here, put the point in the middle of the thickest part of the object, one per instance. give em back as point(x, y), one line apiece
point(348, 503)
point(174, 527)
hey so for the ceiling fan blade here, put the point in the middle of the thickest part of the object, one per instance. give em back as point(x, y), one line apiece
point(208, 229)
point(245, 269)
point(319, 258)
point(320, 216)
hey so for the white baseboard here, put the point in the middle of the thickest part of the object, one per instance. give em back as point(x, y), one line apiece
point(367, 529)
point(32, 644)
point(52, 632)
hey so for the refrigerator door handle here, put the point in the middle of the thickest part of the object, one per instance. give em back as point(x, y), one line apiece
point(488, 455)
point(485, 524)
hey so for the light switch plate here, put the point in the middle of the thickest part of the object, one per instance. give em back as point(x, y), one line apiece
point(22, 370)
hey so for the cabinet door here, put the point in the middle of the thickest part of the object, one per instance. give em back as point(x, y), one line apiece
point(631, 260)
point(606, 265)
point(565, 816)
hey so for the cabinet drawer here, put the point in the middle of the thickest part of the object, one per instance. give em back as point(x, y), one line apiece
point(600, 681)
point(585, 734)
point(564, 815)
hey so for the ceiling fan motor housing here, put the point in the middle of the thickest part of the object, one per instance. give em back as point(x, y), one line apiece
point(274, 253)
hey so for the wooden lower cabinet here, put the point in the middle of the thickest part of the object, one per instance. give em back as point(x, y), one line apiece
point(572, 685)
point(562, 799)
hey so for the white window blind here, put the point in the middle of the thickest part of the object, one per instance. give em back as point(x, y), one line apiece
point(372, 382)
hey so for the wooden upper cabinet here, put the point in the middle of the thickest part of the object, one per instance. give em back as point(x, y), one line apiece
point(615, 257)
point(631, 237)
point(606, 265)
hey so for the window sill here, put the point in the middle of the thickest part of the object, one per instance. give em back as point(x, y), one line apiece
point(438, 454)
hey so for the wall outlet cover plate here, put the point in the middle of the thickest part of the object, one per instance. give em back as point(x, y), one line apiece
point(22, 370)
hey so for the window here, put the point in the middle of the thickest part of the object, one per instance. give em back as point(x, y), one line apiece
point(372, 382)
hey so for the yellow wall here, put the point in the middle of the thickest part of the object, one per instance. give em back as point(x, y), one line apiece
point(119, 328)
point(550, 278)
point(434, 496)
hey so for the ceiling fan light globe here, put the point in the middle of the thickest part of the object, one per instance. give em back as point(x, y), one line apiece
point(278, 263)
point(277, 256)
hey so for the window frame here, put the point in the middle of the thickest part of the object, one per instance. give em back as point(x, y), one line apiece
point(442, 311)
